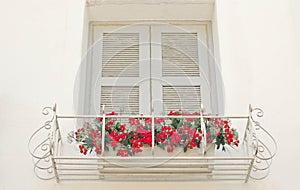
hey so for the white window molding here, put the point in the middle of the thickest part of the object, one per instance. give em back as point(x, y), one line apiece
point(127, 10)
point(121, 2)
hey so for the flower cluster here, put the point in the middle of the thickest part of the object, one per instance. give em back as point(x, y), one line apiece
point(175, 132)
point(88, 139)
point(131, 137)
point(220, 133)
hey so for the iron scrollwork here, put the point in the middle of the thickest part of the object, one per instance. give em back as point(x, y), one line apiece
point(41, 147)
point(263, 153)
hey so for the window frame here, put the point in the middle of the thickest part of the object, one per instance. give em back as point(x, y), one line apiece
point(216, 96)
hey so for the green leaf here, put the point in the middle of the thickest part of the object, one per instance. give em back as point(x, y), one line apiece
point(198, 144)
point(185, 149)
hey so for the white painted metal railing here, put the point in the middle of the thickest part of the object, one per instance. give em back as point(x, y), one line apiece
point(51, 162)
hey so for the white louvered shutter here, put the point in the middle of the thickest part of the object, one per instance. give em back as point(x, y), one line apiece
point(120, 55)
point(181, 97)
point(180, 69)
point(179, 54)
point(120, 63)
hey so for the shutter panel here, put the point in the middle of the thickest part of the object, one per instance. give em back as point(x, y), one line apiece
point(120, 55)
point(181, 68)
point(186, 98)
point(122, 99)
point(120, 58)
point(180, 54)
point(120, 63)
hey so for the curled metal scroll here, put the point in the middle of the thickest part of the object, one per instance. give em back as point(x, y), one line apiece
point(40, 146)
point(264, 153)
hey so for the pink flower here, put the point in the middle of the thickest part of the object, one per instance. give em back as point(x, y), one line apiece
point(159, 120)
point(123, 152)
point(113, 143)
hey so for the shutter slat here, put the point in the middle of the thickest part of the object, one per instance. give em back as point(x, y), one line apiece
point(186, 98)
point(120, 55)
point(122, 99)
point(180, 54)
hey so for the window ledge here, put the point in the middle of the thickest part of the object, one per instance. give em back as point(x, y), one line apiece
point(149, 2)
point(150, 10)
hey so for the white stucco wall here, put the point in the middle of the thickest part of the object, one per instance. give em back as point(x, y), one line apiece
point(41, 45)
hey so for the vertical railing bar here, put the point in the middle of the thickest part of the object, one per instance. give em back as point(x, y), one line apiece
point(251, 143)
point(55, 169)
point(249, 171)
point(152, 127)
point(246, 140)
point(58, 140)
point(55, 136)
point(52, 143)
point(57, 125)
point(247, 128)
point(103, 131)
point(203, 130)
point(251, 133)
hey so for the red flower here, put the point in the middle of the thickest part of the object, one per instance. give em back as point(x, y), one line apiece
point(236, 143)
point(112, 113)
point(171, 113)
point(99, 119)
point(123, 152)
point(148, 121)
point(98, 151)
point(83, 150)
point(113, 143)
point(134, 122)
point(136, 149)
point(109, 125)
point(122, 127)
point(189, 119)
point(170, 149)
point(158, 120)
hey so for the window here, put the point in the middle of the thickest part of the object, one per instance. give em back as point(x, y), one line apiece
point(155, 67)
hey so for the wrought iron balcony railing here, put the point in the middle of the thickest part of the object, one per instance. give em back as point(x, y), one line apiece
point(54, 158)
